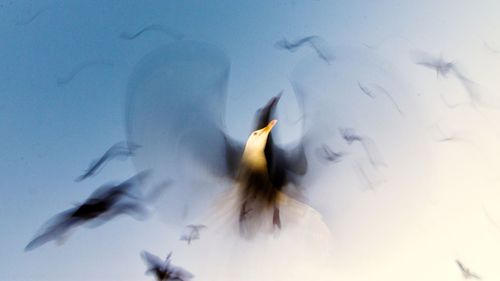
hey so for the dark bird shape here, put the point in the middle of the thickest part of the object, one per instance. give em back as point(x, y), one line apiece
point(33, 17)
point(118, 150)
point(152, 27)
point(164, 270)
point(188, 88)
point(491, 49)
point(466, 273)
point(193, 232)
point(444, 68)
point(324, 152)
point(79, 68)
point(350, 136)
point(315, 42)
point(366, 90)
point(380, 89)
point(103, 204)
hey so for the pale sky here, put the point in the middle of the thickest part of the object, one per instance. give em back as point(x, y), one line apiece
point(434, 202)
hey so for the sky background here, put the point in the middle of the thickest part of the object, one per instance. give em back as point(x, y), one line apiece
point(436, 201)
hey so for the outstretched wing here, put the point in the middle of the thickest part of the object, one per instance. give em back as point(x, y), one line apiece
point(175, 110)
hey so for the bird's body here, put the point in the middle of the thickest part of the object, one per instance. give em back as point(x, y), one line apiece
point(164, 270)
point(258, 193)
point(105, 203)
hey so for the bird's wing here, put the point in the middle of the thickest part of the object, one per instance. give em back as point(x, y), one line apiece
point(175, 110)
point(462, 268)
point(151, 260)
point(53, 229)
point(424, 59)
point(124, 188)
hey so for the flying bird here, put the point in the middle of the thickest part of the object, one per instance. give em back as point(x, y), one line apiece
point(103, 204)
point(79, 68)
point(34, 16)
point(369, 92)
point(350, 136)
point(149, 28)
point(315, 42)
point(467, 274)
point(194, 232)
point(164, 270)
point(324, 152)
point(118, 150)
point(187, 82)
point(444, 68)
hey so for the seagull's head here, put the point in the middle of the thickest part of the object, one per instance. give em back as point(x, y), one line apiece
point(256, 143)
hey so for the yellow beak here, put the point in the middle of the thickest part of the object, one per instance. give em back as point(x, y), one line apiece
point(270, 126)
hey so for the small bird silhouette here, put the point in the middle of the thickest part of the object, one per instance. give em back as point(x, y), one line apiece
point(104, 204)
point(120, 149)
point(467, 274)
point(194, 232)
point(164, 270)
point(314, 41)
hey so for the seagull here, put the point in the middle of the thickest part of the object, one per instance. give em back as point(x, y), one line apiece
point(466, 272)
point(187, 81)
point(314, 41)
point(105, 203)
point(164, 270)
point(194, 232)
point(120, 149)
point(443, 68)
point(350, 136)
point(329, 155)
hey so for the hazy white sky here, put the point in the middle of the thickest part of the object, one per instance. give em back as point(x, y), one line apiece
point(435, 201)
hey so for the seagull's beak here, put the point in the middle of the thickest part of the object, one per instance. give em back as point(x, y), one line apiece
point(270, 126)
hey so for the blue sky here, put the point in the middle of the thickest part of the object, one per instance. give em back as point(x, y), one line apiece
point(50, 132)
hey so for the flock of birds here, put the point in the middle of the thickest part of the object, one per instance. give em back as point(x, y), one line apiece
point(262, 169)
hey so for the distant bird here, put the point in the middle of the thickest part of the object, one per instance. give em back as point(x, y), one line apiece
point(491, 49)
point(152, 27)
point(120, 149)
point(164, 270)
point(443, 68)
point(350, 136)
point(324, 152)
point(366, 90)
point(315, 42)
point(34, 16)
point(467, 274)
point(194, 232)
point(380, 89)
point(104, 204)
point(80, 67)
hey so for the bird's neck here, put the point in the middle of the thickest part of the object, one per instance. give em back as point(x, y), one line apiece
point(254, 159)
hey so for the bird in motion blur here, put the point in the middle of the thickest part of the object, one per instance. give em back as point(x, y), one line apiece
point(164, 270)
point(194, 232)
point(186, 82)
point(104, 204)
point(120, 149)
point(467, 273)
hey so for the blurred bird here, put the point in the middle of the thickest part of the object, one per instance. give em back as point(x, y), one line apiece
point(164, 270)
point(350, 136)
point(315, 42)
point(324, 152)
point(104, 204)
point(443, 68)
point(259, 170)
point(120, 149)
point(194, 232)
point(467, 274)
point(151, 27)
point(80, 67)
